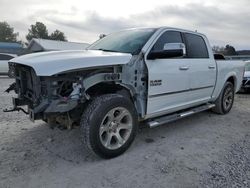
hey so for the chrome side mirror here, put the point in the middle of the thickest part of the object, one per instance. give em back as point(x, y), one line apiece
point(175, 46)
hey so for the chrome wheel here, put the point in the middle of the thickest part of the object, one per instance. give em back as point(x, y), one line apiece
point(228, 98)
point(115, 128)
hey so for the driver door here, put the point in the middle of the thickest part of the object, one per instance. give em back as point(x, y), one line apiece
point(168, 83)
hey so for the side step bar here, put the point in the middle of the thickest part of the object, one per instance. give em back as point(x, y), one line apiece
point(172, 117)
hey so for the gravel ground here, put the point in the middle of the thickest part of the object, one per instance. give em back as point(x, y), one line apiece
point(204, 150)
point(233, 169)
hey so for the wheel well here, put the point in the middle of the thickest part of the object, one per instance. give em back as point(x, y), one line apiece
point(232, 80)
point(108, 87)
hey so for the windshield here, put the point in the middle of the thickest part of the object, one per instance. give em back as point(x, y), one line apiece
point(128, 41)
point(247, 67)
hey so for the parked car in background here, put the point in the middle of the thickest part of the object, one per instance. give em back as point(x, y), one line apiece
point(4, 58)
point(246, 79)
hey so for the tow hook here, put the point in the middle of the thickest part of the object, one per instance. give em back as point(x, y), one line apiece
point(15, 109)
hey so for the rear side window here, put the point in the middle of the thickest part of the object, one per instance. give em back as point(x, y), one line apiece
point(196, 46)
point(5, 57)
point(167, 37)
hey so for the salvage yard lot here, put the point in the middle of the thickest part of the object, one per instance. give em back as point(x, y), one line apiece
point(202, 150)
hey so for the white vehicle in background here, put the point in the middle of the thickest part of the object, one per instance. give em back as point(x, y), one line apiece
point(246, 79)
point(4, 59)
point(150, 75)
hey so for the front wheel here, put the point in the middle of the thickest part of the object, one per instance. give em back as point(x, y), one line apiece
point(109, 125)
point(225, 100)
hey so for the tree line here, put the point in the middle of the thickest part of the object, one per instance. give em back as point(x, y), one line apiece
point(227, 50)
point(37, 30)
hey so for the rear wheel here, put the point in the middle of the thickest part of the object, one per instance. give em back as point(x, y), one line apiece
point(109, 125)
point(225, 100)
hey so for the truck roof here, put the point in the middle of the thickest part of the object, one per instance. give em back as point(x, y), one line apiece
point(166, 27)
point(182, 30)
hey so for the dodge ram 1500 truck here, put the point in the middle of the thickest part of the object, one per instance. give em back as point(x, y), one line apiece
point(149, 75)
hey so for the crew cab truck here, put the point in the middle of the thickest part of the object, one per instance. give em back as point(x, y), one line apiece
point(149, 75)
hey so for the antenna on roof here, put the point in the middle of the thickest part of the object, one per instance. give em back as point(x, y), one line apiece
point(196, 31)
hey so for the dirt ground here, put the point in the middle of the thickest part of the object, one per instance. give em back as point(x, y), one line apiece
point(204, 150)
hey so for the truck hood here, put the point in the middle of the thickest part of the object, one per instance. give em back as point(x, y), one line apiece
point(51, 63)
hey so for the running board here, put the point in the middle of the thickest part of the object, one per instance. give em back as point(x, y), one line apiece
point(172, 117)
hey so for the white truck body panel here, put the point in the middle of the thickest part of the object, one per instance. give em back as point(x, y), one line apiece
point(180, 88)
point(192, 97)
point(226, 69)
point(200, 83)
point(55, 62)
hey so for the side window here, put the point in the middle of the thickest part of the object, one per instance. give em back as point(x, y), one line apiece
point(167, 37)
point(196, 46)
point(5, 57)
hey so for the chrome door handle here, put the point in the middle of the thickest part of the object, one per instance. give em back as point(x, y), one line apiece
point(183, 68)
point(211, 67)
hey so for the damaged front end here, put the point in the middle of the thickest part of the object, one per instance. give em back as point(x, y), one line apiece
point(57, 99)
point(54, 99)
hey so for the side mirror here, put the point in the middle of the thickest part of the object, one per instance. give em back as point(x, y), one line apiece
point(169, 50)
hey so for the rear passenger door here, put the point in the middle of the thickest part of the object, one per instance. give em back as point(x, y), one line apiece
point(202, 70)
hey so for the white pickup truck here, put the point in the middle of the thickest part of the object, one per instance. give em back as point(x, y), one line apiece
point(149, 75)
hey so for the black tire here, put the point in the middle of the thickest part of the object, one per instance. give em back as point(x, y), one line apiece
point(220, 106)
point(93, 118)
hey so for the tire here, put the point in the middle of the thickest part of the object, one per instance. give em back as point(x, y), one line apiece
point(225, 100)
point(109, 125)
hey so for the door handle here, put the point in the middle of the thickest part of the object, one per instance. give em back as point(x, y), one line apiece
point(211, 67)
point(183, 68)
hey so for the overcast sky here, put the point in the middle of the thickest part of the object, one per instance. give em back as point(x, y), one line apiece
point(223, 21)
